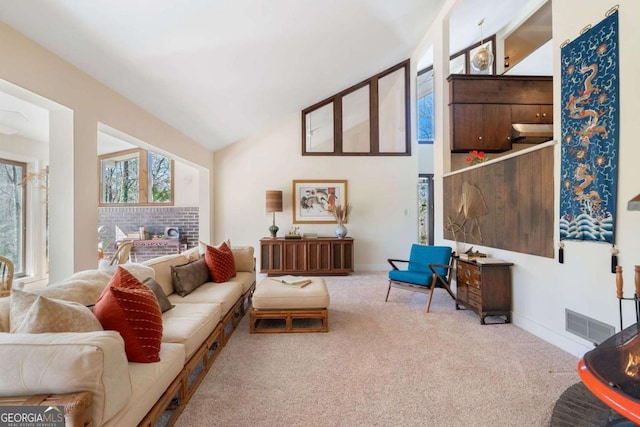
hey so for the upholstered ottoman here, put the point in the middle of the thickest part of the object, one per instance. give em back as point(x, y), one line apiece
point(286, 308)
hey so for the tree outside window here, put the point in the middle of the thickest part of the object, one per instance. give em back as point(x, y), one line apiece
point(12, 212)
point(425, 106)
point(136, 177)
point(160, 182)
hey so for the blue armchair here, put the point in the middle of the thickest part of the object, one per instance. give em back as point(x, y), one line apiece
point(429, 267)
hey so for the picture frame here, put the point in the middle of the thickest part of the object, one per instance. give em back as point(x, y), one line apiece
point(314, 200)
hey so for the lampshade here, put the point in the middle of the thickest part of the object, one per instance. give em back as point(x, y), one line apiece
point(274, 201)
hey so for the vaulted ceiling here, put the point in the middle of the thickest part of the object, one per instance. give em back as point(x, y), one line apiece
point(222, 70)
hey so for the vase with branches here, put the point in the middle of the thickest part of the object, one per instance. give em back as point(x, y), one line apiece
point(341, 214)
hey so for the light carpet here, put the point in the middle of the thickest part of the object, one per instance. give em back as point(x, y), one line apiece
point(384, 364)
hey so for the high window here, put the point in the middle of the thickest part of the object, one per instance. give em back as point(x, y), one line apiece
point(136, 177)
point(425, 106)
point(13, 212)
point(368, 119)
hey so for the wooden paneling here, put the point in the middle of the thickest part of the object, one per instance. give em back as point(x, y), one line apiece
point(518, 193)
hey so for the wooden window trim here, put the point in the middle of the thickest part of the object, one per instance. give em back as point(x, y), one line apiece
point(374, 116)
point(143, 179)
point(467, 55)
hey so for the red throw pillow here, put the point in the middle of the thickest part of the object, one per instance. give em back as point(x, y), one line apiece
point(220, 261)
point(132, 309)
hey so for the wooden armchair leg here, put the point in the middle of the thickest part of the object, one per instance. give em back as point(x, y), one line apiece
point(433, 287)
point(388, 290)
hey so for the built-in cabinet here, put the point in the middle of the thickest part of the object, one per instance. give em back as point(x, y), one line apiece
point(532, 114)
point(321, 256)
point(484, 288)
point(482, 109)
point(482, 125)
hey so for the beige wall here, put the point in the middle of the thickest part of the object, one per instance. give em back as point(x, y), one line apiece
point(73, 214)
point(382, 191)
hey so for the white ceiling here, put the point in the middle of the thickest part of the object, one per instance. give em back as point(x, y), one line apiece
point(222, 70)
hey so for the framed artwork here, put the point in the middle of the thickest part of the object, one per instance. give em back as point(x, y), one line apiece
point(315, 200)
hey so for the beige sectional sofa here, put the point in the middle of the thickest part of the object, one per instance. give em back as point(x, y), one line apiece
point(75, 367)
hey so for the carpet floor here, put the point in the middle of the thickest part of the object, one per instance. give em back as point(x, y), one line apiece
point(384, 364)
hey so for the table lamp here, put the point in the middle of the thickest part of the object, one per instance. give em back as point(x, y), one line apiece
point(274, 204)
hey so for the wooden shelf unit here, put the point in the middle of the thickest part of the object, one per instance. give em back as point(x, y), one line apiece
point(484, 288)
point(324, 256)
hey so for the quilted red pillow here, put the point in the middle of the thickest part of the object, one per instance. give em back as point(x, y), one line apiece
point(132, 309)
point(220, 261)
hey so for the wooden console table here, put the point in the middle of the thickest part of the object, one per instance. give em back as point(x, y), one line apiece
point(323, 256)
point(484, 288)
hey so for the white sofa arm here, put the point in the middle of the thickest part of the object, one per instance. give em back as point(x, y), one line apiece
point(60, 363)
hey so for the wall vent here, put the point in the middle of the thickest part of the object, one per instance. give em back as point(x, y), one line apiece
point(586, 327)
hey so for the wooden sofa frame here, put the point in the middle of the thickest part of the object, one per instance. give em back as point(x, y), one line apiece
point(77, 406)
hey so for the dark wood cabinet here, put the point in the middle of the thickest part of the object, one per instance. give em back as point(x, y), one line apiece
point(482, 109)
point(484, 288)
point(321, 256)
point(532, 113)
point(485, 127)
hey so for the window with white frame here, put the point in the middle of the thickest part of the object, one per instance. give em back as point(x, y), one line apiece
point(425, 106)
point(13, 213)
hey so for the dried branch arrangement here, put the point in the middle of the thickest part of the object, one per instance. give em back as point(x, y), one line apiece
point(341, 213)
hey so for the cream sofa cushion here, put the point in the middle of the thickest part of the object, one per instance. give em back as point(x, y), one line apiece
point(243, 256)
point(148, 382)
point(162, 268)
point(65, 363)
point(190, 324)
point(36, 314)
point(83, 287)
point(192, 254)
point(138, 270)
point(226, 294)
point(245, 279)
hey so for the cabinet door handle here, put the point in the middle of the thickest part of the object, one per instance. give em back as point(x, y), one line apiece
point(480, 137)
point(537, 114)
point(544, 114)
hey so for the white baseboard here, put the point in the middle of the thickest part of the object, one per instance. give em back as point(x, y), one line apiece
point(576, 346)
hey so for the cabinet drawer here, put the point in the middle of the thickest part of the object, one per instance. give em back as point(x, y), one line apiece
point(461, 292)
point(465, 274)
point(475, 300)
point(475, 303)
point(473, 290)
